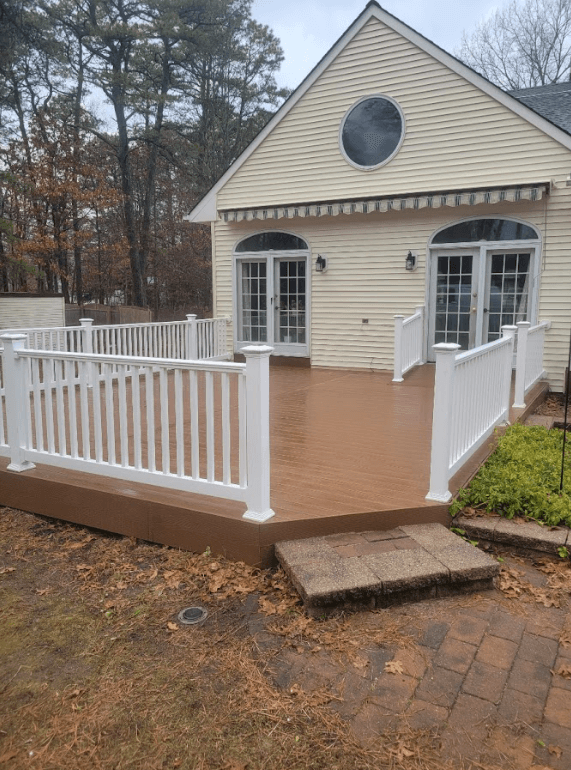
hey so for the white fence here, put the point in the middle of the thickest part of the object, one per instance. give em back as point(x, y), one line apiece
point(409, 342)
point(197, 426)
point(471, 397)
point(192, 339)
point(529, 358)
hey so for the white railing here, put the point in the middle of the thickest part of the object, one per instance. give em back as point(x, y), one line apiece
point(197, 426)
point(409, 342)
point(529, 358)
point(471, 397)
point(192, 339)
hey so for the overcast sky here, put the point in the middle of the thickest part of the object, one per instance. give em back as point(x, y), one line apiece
point(308, 28)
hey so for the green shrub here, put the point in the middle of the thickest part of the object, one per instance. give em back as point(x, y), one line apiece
point(522, 477)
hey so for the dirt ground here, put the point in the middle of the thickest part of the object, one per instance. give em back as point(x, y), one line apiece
point(96, 672)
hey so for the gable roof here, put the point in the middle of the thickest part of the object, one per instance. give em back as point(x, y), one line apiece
point(551, 101)
point(205, 210)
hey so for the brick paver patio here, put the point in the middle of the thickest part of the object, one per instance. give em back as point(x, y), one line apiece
point(480, 672)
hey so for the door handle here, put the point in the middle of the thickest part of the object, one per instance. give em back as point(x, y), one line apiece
point(486, 310)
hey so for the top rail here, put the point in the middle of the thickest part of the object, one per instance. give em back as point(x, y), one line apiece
point(133, 361)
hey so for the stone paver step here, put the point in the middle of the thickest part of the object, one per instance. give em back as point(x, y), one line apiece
point(376, 569)
point(519, 534)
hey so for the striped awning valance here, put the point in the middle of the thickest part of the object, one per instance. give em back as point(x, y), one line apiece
point(401, 203)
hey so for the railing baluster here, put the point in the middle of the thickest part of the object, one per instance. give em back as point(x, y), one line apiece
point(122, 407)
point(109, 414)
point(194, 434)
point(179, 422)
point(165, 441)
point(242, 438)
point(226, 461)
point(136, 412)
point(38, 420)
point(97, 426)
point(209, 426)
point(84, 377)
point(72, 407)
point(150, 403)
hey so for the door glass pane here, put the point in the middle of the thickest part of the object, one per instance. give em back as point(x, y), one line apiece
point(453, 299)
point(290, 302)
point(508, 299)
point(254, 322)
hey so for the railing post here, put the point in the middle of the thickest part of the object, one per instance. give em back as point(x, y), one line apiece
point(258, 431)
point(87, 346)
point(442, 421)
point(399, 319)
point(420, 309)
point(192, 337)
point(521, 364)
point(510, 332)
point(16, 391)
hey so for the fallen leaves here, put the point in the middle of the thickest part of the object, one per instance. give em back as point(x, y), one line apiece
point(5, 570)
point(401, 752)
point(393, 667)
point(513, 585)
point(564, 670)
point(556, 751)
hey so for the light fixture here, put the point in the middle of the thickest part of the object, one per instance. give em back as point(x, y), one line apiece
point(410, 262)
point(320, 264)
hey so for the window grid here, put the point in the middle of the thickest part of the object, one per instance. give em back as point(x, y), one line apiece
point(509, 292)
point(291, 308)
point(453, 300)
point(254, 302)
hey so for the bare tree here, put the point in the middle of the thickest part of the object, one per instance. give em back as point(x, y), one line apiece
point(523, 44)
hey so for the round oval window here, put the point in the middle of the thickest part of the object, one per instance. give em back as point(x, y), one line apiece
point(372, 131)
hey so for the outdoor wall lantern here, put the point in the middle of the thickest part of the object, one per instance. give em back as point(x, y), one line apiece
point(410, 262)
point(320, 264)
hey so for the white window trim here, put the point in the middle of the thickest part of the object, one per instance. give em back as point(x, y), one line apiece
point(295, 350)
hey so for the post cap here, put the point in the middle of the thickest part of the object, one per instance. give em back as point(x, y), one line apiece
point(191, 316)
point(257, 350)
point(446, 347)
point(86, 321)
point(13, 337)
point(523, 323)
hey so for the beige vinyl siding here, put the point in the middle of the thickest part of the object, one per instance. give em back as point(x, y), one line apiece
point(25, 312)
point(366, 278)
point(456, 135)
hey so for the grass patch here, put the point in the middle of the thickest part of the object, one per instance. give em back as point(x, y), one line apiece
point(522, 478)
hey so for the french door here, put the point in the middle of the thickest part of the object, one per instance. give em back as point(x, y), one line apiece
point(272, 303)
point(475, 291)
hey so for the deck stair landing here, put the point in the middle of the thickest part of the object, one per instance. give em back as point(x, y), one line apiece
point(364, 570)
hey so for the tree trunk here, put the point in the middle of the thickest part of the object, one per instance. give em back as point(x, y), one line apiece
point(137, 275)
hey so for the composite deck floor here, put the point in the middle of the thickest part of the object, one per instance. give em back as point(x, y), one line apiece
point(345, 442)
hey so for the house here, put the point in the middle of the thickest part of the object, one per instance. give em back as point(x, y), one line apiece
point(395, 177)
point(20, 310)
